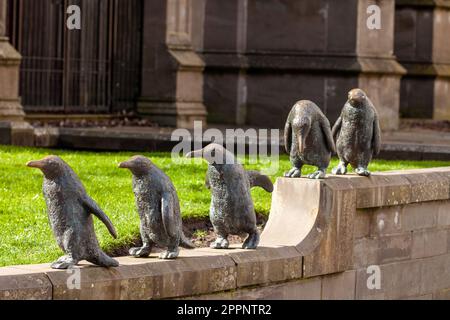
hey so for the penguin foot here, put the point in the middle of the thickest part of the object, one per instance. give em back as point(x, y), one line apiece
point(293, 173)
point(340, 170)
point(362, 172)
point(252, 241)
point(140, 252)
point(65, 262)
point(169, 254)
point(220, 243)
point(317, 175)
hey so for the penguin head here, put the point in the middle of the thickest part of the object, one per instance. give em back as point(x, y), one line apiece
point(51, 166)
point(138, 165)
point(357, 97)
point(214, 154)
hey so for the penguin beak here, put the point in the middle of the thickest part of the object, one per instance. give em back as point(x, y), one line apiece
point(301, 143)
point(354, 96)
point(125, 165)
point(36, 164)
point(195, 154)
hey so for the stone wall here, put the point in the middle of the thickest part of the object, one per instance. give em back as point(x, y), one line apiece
point(261, 56)
point(246, 62)
point(320, 239)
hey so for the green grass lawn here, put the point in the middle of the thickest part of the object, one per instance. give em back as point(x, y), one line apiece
point(25, 235)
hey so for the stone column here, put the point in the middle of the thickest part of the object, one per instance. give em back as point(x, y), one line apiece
point(172, 80)
point(422, 47)
point(10, 108)
point(13, 128)
point(380, 72)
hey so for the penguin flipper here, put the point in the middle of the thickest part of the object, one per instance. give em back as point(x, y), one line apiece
point(326, 129)
point(376, 138)
point(337, 128)
point(259, 180)
point(93, 208)
point(171, 221)
point(288, 136)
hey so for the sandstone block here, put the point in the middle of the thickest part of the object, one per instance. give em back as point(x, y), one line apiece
point(339, 286)
point(309, 289)
point(419, 216)
point(266, 265)
point(428, 243)
point(398, 280)
point(385, 249)
point(16, 284)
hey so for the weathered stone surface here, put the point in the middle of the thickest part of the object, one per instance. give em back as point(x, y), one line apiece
point(339, 286)
point(435, 274)
point(168, 34)
point(428, 187)
point(398, 280)
point(22, 134)
point(385, 249)
point(441, 96)
point(386, 102)
point(17, 284)
point(386, 221)
point(192, 274)
point(443, 218)
point(46, 137)
point(266, 265)
point(423, 297)
point(376, 42)
point(334, 251)
point(428, 243)
point(309, 289)
point(362, 223)
point(419, 216)
point(442, 294)
point(381, 190)
point(296, 221)
point(448, 241)
point(420, 33)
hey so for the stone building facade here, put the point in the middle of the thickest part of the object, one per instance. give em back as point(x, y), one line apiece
point(246, 62)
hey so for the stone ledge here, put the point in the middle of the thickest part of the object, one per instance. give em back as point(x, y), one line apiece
point(18, 284)
point(286, 61)
point(423, 3)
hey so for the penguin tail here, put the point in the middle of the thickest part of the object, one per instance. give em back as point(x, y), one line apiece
point(103, 260)
point(185, 242)
point(260, 180)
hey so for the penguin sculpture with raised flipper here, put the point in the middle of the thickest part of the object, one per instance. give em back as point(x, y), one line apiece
point(158, 208)
point(69, 211)
point(308, 139)
point(357, 134)
point(232, 210)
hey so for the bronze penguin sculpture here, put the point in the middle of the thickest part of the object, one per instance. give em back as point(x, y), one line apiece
point(158, 207)
point(232, 210)
point(308, 139)
point(357, 134)
point(69, 211)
